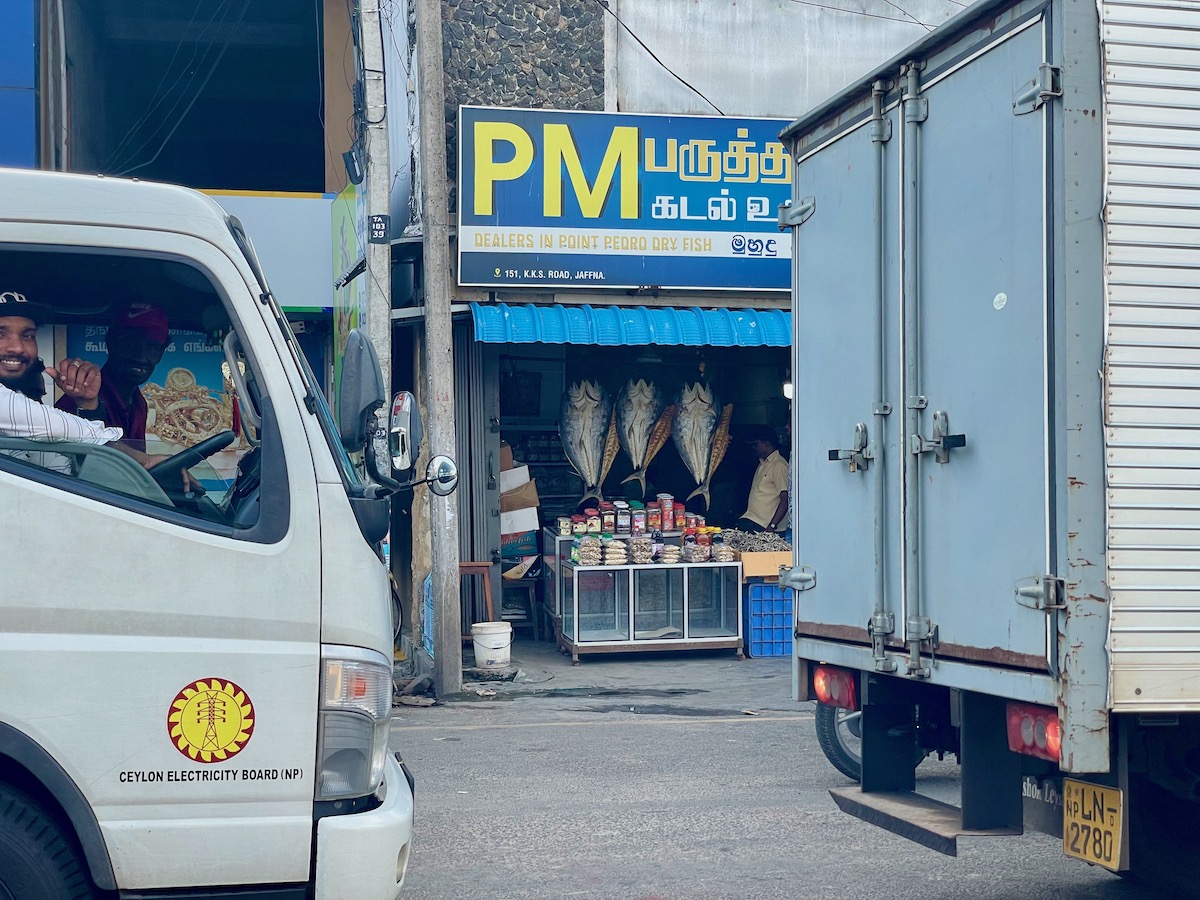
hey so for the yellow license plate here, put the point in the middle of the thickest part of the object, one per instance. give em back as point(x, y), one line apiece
point(1092, 822)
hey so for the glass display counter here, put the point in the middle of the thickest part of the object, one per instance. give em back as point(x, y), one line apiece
point(557, 592)
point(616, 609)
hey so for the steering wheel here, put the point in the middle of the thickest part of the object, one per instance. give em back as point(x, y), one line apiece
point(169, 472)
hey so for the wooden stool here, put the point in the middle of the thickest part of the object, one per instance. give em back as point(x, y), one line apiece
point(484, 570)
point(530, 615)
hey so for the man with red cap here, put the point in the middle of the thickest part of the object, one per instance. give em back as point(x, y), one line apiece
point(137, 337)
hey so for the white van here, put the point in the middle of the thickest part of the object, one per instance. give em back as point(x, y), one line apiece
point(195, 684)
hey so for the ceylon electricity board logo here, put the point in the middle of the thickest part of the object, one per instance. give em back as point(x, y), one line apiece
point(211, 720)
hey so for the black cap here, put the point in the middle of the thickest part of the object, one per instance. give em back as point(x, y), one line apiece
point(762, 433)
point(14, 303)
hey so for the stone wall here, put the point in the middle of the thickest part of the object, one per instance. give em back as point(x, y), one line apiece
point(540, 54)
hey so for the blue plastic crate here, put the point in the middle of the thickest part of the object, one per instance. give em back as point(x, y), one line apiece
point(768, 612)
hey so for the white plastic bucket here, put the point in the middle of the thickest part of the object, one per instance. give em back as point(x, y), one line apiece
point(492, 641)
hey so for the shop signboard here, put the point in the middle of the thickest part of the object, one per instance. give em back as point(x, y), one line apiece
point(551, 198)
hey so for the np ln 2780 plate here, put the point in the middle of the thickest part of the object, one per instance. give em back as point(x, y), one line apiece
point(1092, 821)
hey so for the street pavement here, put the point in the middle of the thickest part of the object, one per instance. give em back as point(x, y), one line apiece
point(685, 775)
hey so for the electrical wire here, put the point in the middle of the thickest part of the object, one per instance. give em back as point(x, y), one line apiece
point(195, 96)
point(927, 27)
point(181, 93)
point(654, 56)
point(857, 12)
point(155, 100)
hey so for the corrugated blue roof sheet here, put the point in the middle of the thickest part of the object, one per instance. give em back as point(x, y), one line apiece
point(527, 323)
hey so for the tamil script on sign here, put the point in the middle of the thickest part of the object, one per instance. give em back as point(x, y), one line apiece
point(549, 198)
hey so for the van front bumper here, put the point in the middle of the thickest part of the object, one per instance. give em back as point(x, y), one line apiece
point(364, 856)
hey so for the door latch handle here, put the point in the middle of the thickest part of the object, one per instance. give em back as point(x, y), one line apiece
point(491, 472)
point(857, 456)
point(942, 442)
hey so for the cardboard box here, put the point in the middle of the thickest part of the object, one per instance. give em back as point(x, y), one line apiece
point(524, 497)
point(513, 478)
point(765, 565)
point(521, 567)
point(519, 520)
point(506, 456)
point(518, 544)
point(519, 529)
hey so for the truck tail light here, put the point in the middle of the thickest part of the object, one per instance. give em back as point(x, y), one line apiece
point(1034, 731)
point(836, 687)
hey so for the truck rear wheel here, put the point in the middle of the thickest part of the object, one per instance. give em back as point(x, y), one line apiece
point(37, 857)
point(840, 738)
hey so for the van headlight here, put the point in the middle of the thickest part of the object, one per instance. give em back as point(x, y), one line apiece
point(353, 723)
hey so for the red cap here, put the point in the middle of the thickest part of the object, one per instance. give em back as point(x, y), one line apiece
point(150, 320)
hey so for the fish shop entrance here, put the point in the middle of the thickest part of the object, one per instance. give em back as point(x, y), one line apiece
point(666, 402)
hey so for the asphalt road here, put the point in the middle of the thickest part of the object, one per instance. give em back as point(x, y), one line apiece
point(675, 776)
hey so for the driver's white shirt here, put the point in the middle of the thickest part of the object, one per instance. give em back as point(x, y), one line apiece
point(23, 417)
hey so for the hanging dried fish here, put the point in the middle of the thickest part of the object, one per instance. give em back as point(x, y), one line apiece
point(720, 443)
point(611, 445)
point(693, 429)
point(585, 420)
point(638, 408)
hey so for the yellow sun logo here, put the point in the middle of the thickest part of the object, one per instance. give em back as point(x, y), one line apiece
point(210, 720)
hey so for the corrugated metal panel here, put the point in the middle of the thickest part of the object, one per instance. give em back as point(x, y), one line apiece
point(615, 326)
point(1153, 367)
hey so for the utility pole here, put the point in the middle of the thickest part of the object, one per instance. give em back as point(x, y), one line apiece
point(439, 344)
point(377, 182)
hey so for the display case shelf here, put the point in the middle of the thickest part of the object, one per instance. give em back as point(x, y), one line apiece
point(614, 609)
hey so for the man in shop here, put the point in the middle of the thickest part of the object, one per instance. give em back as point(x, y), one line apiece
point(136, 339)
point(767, 505)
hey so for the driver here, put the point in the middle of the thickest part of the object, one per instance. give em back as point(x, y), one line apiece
point(136, 340)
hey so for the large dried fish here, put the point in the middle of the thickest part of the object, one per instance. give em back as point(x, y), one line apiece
point(585, 419)
point(720, 443)
point(639, 407)
point(611, 444)
point(693, 429)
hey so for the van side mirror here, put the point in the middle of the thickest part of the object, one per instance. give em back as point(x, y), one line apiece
point(361, 392)
point(405, 432)
point(442, 475)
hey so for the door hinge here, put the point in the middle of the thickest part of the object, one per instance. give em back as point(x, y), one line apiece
point(801, 578)
point(793, 215)
point(879, 627)
point(1044, 592)
point(1032, 95)
point(922, 631)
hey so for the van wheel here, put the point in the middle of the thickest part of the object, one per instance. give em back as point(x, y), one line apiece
point(37, 857)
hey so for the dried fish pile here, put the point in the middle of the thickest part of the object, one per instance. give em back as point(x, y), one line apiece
point(754, 541)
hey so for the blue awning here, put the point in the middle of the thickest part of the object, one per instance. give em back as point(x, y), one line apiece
point(620, 326)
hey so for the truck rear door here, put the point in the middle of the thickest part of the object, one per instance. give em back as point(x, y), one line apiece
point(924, 330)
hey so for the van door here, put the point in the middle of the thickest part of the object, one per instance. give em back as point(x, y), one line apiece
point(168, 658)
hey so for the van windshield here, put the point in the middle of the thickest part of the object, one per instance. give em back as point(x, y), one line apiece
point(315, 397)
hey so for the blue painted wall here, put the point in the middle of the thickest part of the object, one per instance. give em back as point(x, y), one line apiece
point(18, 84)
